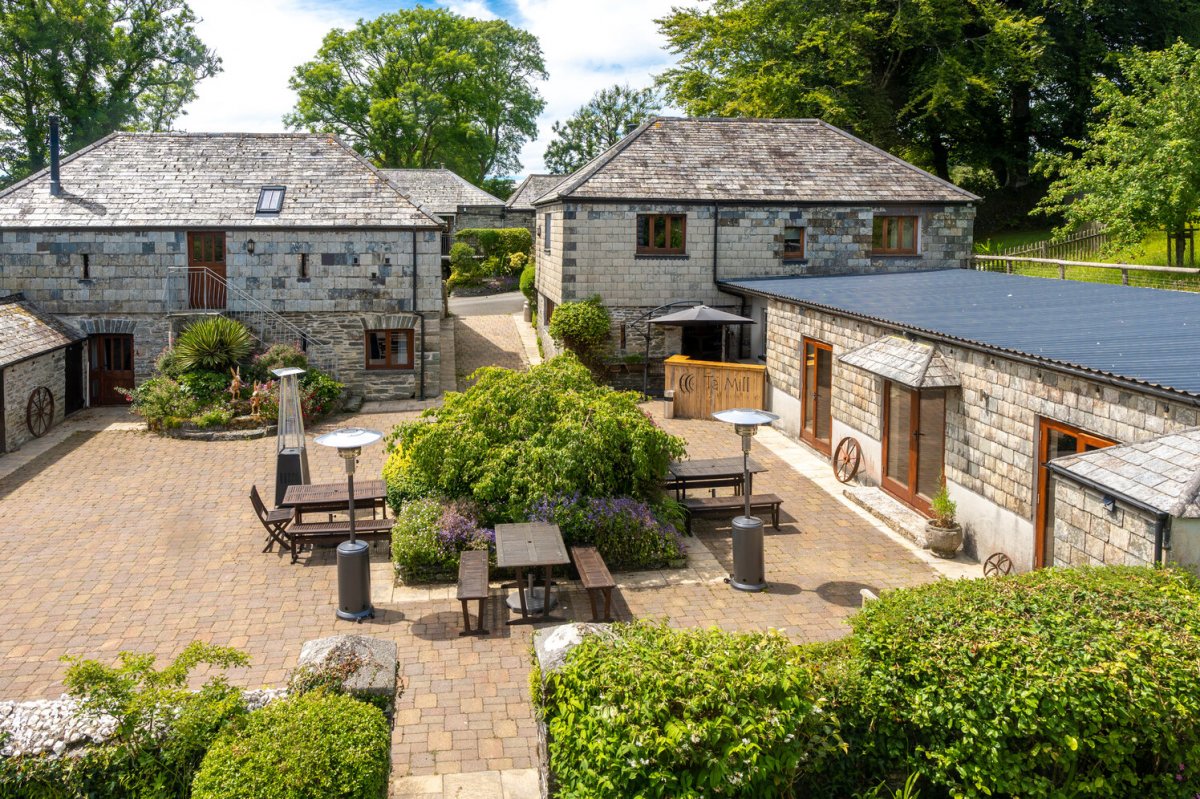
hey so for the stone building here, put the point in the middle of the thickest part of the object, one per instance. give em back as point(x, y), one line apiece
point(41, 372)
point(983, 378)
point(680, 205)
point(295, 234)
point(519, 207)
point(458, 202)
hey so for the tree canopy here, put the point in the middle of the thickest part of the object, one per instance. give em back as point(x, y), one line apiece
point(602, 122)
point(101, 65)
point(422, 87)
point(1139, 167)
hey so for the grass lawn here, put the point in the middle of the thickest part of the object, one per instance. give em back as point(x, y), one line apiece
point(1013, 238)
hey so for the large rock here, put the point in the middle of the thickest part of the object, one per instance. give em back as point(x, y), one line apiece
point(553, 645)
point(369, 664)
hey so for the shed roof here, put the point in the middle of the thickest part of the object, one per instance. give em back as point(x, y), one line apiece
point(25, 331)
point(1162, 473)
point(1145, 336)
point(915, 364)
point(530, 189)
point(171, 180)
point(752, 160)
point(440, 189)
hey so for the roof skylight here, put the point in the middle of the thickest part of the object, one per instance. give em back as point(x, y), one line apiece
point(270, 200)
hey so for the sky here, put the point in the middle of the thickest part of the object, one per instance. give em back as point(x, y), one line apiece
point(587, 44)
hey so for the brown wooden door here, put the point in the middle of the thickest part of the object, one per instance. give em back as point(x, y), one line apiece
point(914, 443)
point(816, 409)
point(206, 271)
point(110, 366)
point(1055, 440)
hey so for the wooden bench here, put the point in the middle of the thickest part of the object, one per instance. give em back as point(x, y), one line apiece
point(333, 532)
point(594, 575)
point(473, 584)
point(709, 506)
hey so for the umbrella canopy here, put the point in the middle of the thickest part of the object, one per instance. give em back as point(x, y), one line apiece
point(701, 316)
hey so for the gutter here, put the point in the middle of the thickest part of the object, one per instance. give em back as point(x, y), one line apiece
point(1162, 520)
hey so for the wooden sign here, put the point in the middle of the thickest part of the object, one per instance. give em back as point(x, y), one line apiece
point(705, 387)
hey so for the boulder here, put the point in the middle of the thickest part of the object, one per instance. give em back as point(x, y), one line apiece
point(366, 666)
point(553, 645)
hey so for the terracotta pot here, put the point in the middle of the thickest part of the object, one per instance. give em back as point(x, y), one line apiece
point(944, 541)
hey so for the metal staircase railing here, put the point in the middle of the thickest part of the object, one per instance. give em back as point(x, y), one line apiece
point(193, 290)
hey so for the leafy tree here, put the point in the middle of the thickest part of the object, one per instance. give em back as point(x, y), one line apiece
point(1140, 166)
point(498, 186)
point(602, 122)
point(422, 87)
point(102, 65)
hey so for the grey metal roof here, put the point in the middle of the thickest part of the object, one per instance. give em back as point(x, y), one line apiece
point(912, 363)
point(25, 331)
point(439, 189)
point(171, 180)
point(1163, 472)
point(1148, 336)
point(751, 160)
point(530, 189)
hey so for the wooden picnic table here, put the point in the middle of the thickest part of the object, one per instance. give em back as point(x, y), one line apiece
point(711, 473)
point(333, 497)
point(530, 545)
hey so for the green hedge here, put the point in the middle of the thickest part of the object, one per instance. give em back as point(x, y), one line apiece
point(429, 536)
point(582, 327)
point(497, 245)
point(312, 746)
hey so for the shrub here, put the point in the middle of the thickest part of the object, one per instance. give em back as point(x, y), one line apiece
point(167, 363)
point(277, 356)
point(215, 343)
point(624, 530)
point(518, 261)
point(162, 402)
point(310, 746)
point(498, 245)
point(204, 386)
point(428, 538)
point(582, 327)
point(218, 416)
point(515, 437)
point(690, 713)
point(465, 269)
point(319, 393)
point(528, 283)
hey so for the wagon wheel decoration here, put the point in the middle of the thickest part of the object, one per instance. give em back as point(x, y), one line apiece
point(998, 564)
point(847, 459)
point(39, 411)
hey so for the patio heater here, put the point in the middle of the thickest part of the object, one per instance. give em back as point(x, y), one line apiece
point(291, 458)
point(353, 556)
point(748, 571)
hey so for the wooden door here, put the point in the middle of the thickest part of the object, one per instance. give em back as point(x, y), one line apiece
point(74, 399)
point(110, 366)
point(914, 443)
point(1055, 440)
point(206, 271)
point(816, 410)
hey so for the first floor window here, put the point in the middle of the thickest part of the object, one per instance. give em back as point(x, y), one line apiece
point(894, 235)
point(793, 243)
point(390, 349)
point(546, 233)
point(661, 234)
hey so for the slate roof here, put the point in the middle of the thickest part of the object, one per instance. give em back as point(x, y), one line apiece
point(440, 190)
point(915, 364)
point(172, 180)
point(1162, 473)
point(530, 189)
point(752, 160)
point(1149, 337)
point(26, 332)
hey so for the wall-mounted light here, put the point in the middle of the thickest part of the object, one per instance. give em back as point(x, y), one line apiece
point(250, 246)
point(1110, 503)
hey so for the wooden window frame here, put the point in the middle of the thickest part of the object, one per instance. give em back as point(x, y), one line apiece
point(811, 439)
point(671, 220)
point(389, 363)
point(909, 492)
point(887, 221)
point(1042, 482)
point(792, 255)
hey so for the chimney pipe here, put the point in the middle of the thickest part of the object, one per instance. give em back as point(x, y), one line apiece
point(55, 180)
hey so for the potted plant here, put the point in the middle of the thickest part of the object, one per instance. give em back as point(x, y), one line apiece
point(943, 533)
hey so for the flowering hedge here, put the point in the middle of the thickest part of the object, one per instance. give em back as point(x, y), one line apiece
point(429, 536)
point(626, 531)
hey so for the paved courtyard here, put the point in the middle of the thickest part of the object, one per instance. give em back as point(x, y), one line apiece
point(120, 540)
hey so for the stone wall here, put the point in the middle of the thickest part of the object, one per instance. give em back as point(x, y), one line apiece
point(485, 216)
point(20, 379)
point(1085, 534)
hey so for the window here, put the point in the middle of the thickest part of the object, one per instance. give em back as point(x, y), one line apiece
point(793, 243)
point(390, 349)
point(661, 234)
point(304, 266)
point(894, 235)
point(546, 234)
point(270, 200)
point(87, 266)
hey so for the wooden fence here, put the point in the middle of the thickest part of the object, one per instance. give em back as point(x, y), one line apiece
point(1078, 246)
point(1166, 277)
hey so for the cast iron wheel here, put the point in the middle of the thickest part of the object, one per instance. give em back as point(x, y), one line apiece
point(997, 564)
point(847, 459)
point(39, 411)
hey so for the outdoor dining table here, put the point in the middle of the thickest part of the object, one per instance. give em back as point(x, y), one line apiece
point(711, 473)
point(530, 545)
point(333, 497)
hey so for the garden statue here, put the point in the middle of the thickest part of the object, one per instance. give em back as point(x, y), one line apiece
point(235, 387)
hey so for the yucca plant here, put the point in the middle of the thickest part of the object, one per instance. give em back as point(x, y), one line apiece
point(216, 344)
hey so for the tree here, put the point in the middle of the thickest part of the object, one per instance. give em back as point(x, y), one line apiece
point(1140, 165)
point(422, 87)
point(499, 186)
point(607, 118)
point(102, 65)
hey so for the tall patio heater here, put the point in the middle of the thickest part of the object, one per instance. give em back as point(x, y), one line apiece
point(353, 556)
point(749, 573)
point(291, 458)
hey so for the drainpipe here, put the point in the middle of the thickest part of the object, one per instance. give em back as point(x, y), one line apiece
point(1162, 537)
point(55, 179)
point(421, 367)
point(716, 228)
